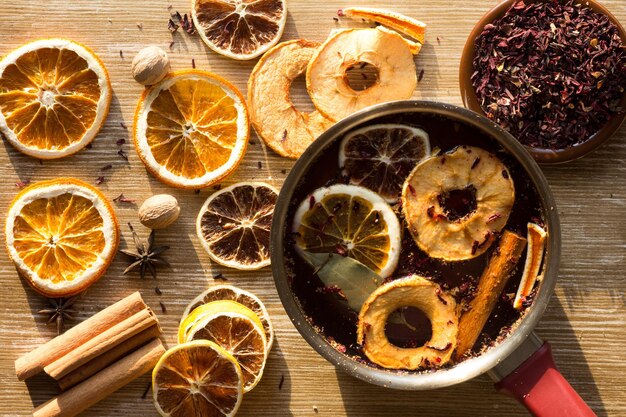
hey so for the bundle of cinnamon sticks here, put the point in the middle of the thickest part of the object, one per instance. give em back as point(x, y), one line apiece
point(97, 357)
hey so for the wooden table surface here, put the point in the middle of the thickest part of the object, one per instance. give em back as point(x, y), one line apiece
point(585, 321)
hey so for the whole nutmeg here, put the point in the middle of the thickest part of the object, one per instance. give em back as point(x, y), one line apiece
point(159, 211)
point(150, 65)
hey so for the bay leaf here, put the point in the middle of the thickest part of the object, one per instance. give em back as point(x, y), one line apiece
point(356, 280)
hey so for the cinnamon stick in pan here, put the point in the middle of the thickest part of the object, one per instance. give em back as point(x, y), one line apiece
point(35, 361)
point(102, 384)
point(491, 284)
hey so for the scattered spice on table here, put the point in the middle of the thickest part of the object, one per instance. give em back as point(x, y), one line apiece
point(120, 142)
point(59, 311)
point(282, 381)
point(100, 180)
point(163, 308)
point(188, 25)
point(158, 291)
point(22, 184)
point(106, 167)
point(123, 154)
point(419, 78)
point(551, 73)
point(172, 26)
point(123, 126)
point(146, 391)
point(121, 54)
point(121, 199)
point(260, 164)
point(193, 63)
point(220, 277)
point(146, 256)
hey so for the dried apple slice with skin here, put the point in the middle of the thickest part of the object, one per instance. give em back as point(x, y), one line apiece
point(441, 221)
point(283, 127)
point(387, 51)
point(413, 291)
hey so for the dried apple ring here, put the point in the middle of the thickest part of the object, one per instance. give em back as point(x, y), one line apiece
point(455, 203)
point(277, 121)
point(385, 50)
point(414, 291)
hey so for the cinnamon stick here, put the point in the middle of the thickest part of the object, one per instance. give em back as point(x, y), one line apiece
point(102, 343)
point(490, 286)
point(99, 363)
point(102, 384)
point(34, 362)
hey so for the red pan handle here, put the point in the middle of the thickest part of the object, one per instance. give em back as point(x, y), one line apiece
point(541, 388)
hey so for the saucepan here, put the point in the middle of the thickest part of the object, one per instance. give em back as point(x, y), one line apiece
point(522, 364)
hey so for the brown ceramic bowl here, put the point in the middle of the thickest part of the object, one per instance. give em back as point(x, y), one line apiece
point(547, 156)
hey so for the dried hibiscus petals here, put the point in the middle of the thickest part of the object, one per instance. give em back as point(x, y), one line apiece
point(551, 73)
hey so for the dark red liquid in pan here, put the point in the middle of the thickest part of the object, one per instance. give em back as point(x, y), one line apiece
point(337, 323)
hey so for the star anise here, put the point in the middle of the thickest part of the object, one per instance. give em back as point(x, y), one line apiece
point(59, 311)
point(146, 257)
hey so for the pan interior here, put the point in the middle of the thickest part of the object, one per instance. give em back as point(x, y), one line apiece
point(306, 173)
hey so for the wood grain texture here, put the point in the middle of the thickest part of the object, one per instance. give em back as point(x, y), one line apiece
point(585, 320)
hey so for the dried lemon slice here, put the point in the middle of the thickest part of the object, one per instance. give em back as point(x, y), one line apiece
point(455, 203)
point(385, 50)
point(413, 291)
point(191, 129)
point(380, 157)
point(278, 122)
point(54, 97)
point(236, 329)
point(351, 221)
point(197, 378)
point(239, 29)
point(62, 235)
point(211, 308)
point(246, 298)
point(234, 225)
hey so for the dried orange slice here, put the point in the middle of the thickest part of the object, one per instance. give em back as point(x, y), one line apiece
point(396, 21)
point(326, 77)
point(191, 129)
point(381, 156)
point(54, 97)
point(240, 29)
point(246, 298)
point(351, 221)
point(235, 328)
point(234, 225)
point(197, 378)
point(62, 235)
